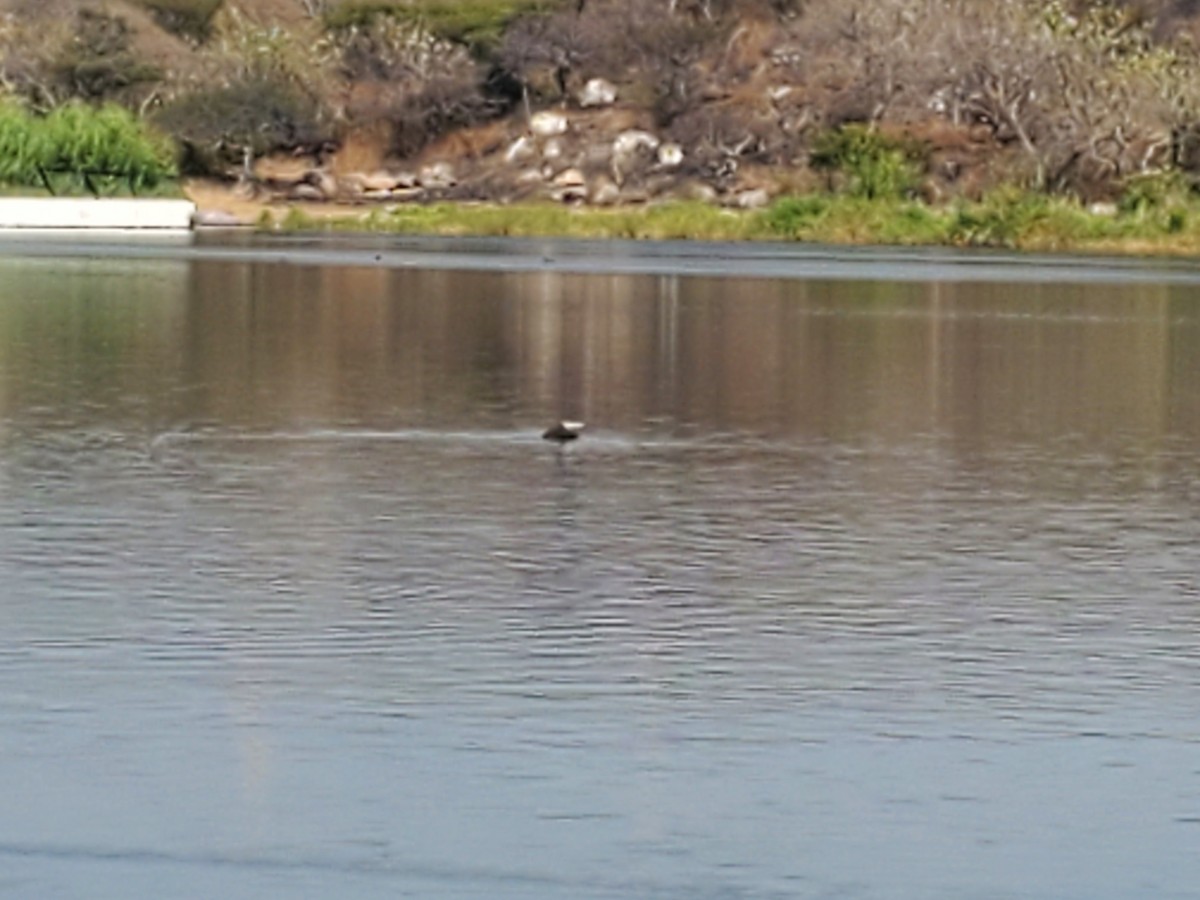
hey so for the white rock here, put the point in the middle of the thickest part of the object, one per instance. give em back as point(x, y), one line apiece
point(605, 193)
point(1105, 210)
point(215, 218)
point(378, 181)
point(437, 175)
point(570, 178)
point(598, 92)
point(519, 150)
point(406, 195)
point(575, 193)
point(324, 182)
point(756, 198)
point(670, 156)
point(699, 191)
point(552, 150)
point(629, 142)
point(548, 123)
point(597, 154)
point(305, 192)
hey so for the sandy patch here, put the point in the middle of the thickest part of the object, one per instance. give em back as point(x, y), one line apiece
point(213, 197)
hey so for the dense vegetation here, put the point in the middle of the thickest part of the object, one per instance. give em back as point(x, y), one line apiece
point(1005, 218)
point(76, 148)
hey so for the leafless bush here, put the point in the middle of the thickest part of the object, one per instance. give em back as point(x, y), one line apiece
point(81, 54)
point(314, 9)
point(1087, 98)
point(421, 85)
point(440, 106)
point(722, 137)
point(259, 89)
point(189, 19)
point(223, 128)
point(654, 48)
point(27, 53)
point(241, 48)
point(542, 53)
point(388, 49)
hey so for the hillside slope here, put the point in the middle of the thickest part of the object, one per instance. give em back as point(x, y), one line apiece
point(618, 101)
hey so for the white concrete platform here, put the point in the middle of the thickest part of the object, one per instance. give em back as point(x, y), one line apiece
point(88, 212)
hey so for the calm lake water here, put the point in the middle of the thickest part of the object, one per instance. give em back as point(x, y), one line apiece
point(876, 579)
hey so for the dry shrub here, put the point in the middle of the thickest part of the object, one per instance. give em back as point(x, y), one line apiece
point(388, 49)
point(260, 89)
point(223, 128)
point(655, 49)
point(1089, 99)
point(99, 63)
point(421, 85)
point(440, 105)
point(72, 53)
point(543, 54)
point(721, 137)
point(190, 19)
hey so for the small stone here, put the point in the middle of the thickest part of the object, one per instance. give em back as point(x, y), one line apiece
point(519, 150)
point(700, 192)
point(629, 142)
point(306, 192)
point(598, 92)
point(605, 193)
point(378, 181)
point(571, 194)
point(324, 182)
point(756, 198)
point(437, 176)
point(406, 195)
point(548, 124)
point(632, 150)
point(215, 218)
point(670, 156)
point(598, 154)
point(570, 178)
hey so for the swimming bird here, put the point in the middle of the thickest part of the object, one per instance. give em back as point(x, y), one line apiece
point(563, 432)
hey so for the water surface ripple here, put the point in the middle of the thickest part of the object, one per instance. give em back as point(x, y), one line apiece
point(870, 590)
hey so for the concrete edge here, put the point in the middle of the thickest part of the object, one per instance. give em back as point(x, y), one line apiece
point(107, 213)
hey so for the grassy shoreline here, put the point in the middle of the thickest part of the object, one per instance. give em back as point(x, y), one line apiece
point(1011, 220)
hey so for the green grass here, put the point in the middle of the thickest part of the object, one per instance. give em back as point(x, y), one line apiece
point(869, 164)
point(20, 147)
point(477, 23)
point(1005, 219)
point(75, 142)
point(658, 222)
